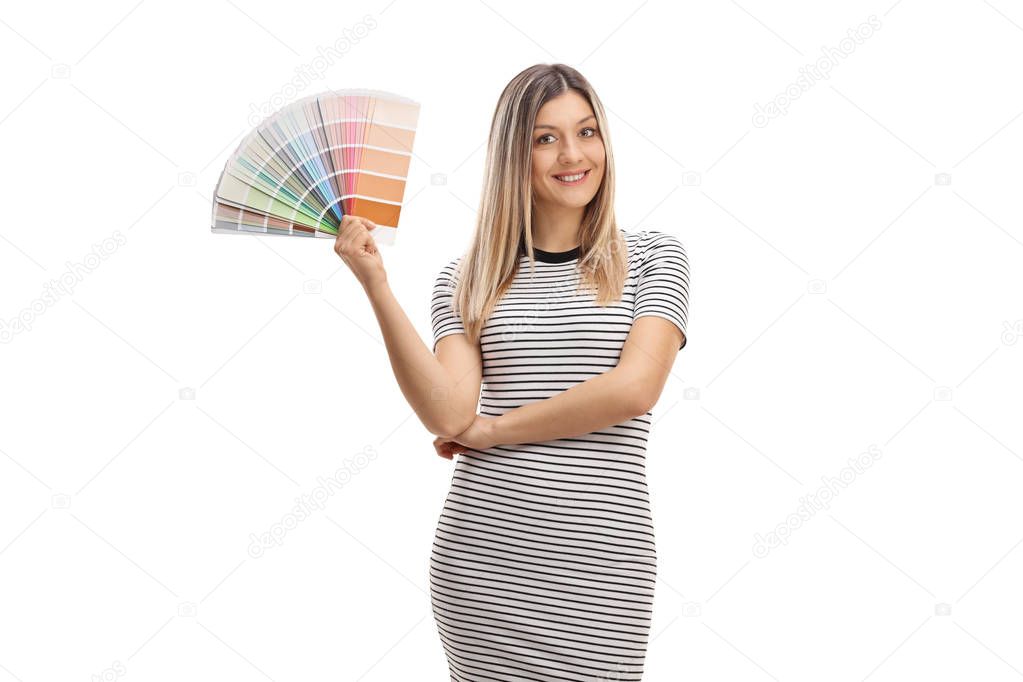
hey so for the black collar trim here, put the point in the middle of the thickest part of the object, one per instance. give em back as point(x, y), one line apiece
point(554, 256)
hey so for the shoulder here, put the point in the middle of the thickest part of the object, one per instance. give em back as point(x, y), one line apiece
point(449, 270)
point(647, 245)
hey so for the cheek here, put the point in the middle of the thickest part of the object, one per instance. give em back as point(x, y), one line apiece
point(540, 166)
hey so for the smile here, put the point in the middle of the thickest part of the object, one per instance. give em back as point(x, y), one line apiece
point(574, 179)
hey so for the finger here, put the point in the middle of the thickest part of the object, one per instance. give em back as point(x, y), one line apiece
point(344, 233)
point(355, 229)
point(363, 243)
point(370, 244)
point(356, 247)
point(345, 227)
point(351, 221)
point(354, 225)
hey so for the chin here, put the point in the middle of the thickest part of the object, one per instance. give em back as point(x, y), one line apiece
point(582, 203)
point(575, 200)
point(574, 203)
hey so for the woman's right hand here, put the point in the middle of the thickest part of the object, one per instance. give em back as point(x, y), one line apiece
point(355, 246)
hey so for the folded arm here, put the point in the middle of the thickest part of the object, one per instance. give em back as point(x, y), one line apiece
point(630, 389)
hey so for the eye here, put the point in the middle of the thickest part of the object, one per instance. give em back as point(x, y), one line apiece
point(594, 130)
point(540, 139)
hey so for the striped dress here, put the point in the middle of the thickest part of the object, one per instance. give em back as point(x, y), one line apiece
point(543, 563)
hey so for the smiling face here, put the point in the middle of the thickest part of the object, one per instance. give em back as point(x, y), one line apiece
point(568, 153)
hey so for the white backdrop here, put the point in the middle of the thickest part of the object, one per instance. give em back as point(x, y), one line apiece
point(836, 460)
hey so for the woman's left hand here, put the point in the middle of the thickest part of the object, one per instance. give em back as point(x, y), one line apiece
point(479, 436)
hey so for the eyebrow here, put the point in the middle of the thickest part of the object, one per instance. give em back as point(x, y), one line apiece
point(544, 125)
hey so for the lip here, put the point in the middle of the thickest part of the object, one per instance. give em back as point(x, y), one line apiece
point(581, 180)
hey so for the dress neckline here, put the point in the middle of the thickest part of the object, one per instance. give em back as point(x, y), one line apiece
point(554, 256)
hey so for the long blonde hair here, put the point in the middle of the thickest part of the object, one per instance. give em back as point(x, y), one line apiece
point(505, 218)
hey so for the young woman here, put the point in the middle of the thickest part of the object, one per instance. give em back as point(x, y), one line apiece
point(543, 564)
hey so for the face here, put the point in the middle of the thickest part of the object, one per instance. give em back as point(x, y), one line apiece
point(566, 142)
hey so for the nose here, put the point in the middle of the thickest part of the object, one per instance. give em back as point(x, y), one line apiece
point(570, 152)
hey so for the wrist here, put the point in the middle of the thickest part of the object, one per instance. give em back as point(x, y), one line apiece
point(377, 289)
point(495, 430)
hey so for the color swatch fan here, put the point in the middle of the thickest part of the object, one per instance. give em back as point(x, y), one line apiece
point(338, 153)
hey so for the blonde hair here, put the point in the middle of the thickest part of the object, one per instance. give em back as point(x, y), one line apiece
point(505, 218)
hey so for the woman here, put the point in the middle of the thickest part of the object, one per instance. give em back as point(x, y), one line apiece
point(543, 564)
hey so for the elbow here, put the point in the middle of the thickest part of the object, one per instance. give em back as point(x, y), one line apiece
point(635, 395)
point(449, 428)
point(640, 401)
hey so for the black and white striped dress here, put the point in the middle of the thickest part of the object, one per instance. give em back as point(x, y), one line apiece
point(543, 564)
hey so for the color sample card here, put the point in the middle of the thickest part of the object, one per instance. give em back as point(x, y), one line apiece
point(338, 153)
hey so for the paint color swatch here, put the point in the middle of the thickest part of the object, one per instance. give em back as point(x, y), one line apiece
point(338, 153)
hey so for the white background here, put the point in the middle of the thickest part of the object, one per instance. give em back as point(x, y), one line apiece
point(843, 298)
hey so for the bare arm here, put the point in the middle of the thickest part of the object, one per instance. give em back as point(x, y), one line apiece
point(632, 387)
point(442, 389)
point(628, 390)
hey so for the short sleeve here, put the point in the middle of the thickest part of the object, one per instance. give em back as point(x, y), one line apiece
point(445, 320)
point(662, 281)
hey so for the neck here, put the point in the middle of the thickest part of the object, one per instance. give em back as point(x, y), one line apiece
point(556, 228)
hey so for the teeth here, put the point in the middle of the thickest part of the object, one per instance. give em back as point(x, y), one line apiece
point(570, 178)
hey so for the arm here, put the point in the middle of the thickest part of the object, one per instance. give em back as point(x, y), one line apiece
point(627, 390)
point(442, 389)
point(631, 388)
point(443, 397)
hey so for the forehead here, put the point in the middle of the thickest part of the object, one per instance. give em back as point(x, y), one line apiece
point(565, 109)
